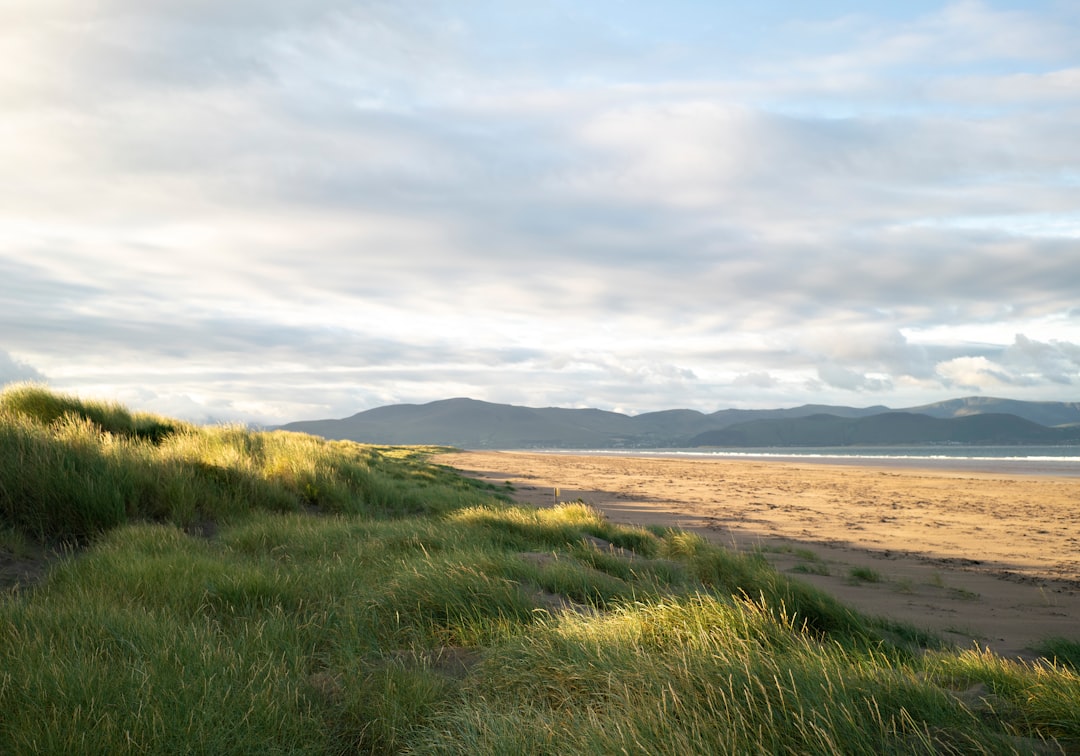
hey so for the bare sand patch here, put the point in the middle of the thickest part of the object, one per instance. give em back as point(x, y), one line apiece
point(976, 557)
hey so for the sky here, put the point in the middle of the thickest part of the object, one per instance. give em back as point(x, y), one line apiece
point(268, 210)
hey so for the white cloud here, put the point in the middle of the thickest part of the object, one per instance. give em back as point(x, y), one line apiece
point(1024, 363)
point(876, 348)
point(974, 374)
point(1054, 361)
point(759, 379)
point(961, 33)
point(837, 376)
point(1057, 86)
point(361, 203)
point(13, 370)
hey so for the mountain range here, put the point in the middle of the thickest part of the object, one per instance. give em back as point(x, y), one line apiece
point(473, 424)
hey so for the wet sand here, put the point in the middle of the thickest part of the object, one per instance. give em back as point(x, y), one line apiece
point(976, 557)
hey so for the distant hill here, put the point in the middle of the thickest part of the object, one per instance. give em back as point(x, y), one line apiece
point(1043, 413)
point(473, 424)
point(470, 424)
point(725, 418)
point(887, 429)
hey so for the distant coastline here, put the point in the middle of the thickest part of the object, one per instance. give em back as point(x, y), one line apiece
point(1058, 460)
point(472, 424)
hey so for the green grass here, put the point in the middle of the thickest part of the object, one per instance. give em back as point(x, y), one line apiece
point(810, 563)
point(74, 469)
point(1062, 651)
point(811, 568)
point(864, 575)
point(227, 591)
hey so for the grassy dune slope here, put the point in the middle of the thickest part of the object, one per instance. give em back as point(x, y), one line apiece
point(224, 591)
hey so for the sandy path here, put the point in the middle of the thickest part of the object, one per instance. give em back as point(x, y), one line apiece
point(975, 557)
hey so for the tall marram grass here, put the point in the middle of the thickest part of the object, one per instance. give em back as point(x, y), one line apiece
point(699, 675)
point(44, 406)
point(243, 592)
point(73, 468)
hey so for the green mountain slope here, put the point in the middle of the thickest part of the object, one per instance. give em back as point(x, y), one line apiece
point(469, 423)
point(472, 424)
point(890, 428)
point(1043, 413)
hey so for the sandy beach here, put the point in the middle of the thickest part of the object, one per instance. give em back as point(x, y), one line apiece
point(983, 558)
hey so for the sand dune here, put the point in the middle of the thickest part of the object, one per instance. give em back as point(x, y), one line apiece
point(976, 557)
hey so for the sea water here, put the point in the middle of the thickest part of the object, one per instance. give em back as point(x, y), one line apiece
point(1012, 460)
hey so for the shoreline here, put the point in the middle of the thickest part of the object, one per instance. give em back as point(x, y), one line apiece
point(1059, 467)
point(975, 556)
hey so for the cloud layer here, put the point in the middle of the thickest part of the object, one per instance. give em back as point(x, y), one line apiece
point(272, 211)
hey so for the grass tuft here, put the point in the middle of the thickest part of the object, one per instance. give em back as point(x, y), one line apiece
point(865, 575)
point(1061, 651)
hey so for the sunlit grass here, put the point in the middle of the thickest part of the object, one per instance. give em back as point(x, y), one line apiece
point(699, 675)
point(1062, 651)
point(229, 591)
point(864, 575)
point(75, 468)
